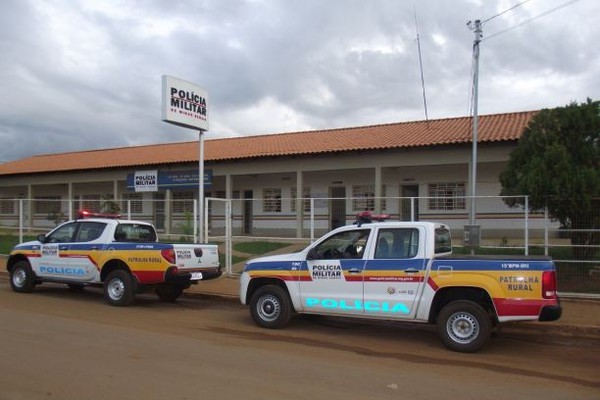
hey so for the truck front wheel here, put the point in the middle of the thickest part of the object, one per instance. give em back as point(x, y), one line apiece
point(22, 278)
point(271, 307)
point(464, 326)
point(119, 288)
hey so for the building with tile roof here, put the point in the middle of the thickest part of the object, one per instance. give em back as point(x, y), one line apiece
point(376, 167)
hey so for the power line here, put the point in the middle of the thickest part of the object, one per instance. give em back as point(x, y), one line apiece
point(505, 11)
point(532, 19)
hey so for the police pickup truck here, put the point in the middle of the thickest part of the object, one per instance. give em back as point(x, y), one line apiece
point(401, 271)
point(123, 256)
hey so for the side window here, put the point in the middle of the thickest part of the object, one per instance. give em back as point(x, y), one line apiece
point(64, 234)
point(135, 233)
point(397, 243)
point(350, 244)
point(89, 231)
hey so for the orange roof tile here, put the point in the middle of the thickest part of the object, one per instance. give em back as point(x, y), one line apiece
point(492, 128)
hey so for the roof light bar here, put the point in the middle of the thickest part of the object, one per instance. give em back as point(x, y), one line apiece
point(83, 214)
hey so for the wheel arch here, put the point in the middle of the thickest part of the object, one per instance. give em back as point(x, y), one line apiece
point(257, 283)
point(12, 260)
point(450, 294)
point(113, 265)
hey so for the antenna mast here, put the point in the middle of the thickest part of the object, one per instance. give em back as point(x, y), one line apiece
point(421, 65)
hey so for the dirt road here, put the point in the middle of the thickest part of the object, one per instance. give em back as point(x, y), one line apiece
point(62, 344)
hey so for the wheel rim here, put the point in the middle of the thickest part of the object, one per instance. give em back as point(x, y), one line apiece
point(462, 327)
point(115, 289)
point(19, 277)
point(268, 308)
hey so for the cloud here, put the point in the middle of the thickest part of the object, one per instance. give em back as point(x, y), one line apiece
point(86, 74)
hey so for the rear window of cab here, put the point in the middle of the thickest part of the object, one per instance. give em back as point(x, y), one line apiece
point(443, 240)
point(135, 233)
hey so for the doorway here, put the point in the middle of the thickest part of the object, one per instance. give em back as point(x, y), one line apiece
point(247, 213)
point(406, 208)
point(159, 211)
point(337, 206)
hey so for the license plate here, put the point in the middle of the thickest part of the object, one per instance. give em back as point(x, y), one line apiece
point(196, 276)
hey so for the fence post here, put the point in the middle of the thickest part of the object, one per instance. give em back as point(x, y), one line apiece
point(228, 244)
point(205, 223)
point(412, 209)
point(546, 230)
point(312, 220)
point(20, 220)
point(195, 221)
point(526, 225)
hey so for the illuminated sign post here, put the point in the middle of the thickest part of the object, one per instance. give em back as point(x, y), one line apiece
point(186, 104)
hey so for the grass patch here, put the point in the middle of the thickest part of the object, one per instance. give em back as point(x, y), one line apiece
point(234, 259)
point(7, 242)
point(257, 248)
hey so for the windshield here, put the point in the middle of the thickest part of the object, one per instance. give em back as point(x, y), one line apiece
point(348, 244)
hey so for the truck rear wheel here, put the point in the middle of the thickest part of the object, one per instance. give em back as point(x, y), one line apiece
point(168, 292)
point(22, 278)
point(119, 288)
point(271, 307)
point(464, 326)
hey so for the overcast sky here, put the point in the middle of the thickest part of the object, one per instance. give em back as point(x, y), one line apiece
point(86, 74)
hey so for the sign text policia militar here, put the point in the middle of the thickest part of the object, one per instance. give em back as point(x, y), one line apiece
point(190, 103)
point(184, 103)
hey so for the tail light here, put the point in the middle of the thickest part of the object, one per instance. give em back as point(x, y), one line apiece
point(549, 284)
point(169, 255)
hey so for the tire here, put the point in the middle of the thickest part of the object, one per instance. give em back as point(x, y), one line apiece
point(169, 293)
point(22, 278)
point(119, 288)
point(271, 307)
point(464, 326)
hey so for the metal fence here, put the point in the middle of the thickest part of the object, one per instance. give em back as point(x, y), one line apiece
point(246, 228)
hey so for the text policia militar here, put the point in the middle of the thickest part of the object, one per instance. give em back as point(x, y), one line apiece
point(188, 101)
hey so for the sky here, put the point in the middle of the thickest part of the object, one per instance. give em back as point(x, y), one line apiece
point(86, 74)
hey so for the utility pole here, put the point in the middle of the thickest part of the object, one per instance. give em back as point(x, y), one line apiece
point(472, 232)
point(476, 27)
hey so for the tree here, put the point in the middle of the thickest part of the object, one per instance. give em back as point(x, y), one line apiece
point(108, 205)
point(557, 164)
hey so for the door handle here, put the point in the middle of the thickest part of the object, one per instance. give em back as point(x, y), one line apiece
point(355, 271)
point(63, 248)
point(411, 271)
point(94, 248)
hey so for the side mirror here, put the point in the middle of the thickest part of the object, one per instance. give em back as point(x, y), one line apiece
point(41, 238)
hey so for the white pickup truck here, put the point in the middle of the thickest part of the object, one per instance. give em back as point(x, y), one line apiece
point(123, 256)
point(401, 271)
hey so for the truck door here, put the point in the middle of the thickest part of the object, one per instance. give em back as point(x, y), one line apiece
point(394, 276)
point(54, 256)
point(332, 276)
point(86, 251)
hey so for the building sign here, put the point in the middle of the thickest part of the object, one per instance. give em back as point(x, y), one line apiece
point(146, 181)
point(184, 104)
point(171, 180)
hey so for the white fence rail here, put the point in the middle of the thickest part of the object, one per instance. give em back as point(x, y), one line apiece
point(299, 221)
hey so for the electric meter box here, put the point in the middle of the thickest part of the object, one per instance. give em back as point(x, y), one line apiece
point(472, 236)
